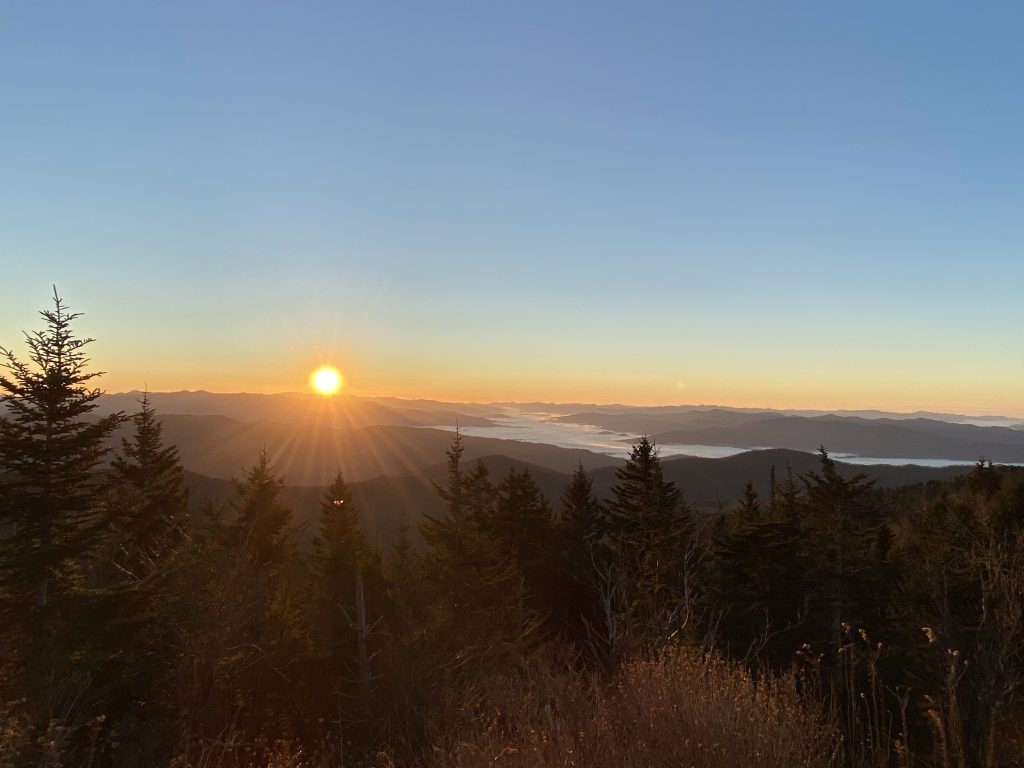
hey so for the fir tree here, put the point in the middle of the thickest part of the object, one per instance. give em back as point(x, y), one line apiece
point(755, 582)
point(651, 533)
point(140, 611)
point(642, 499)
point(581, 514)
point(449, 538)
point(339, 546)
point(843, 534)
point(50, 449)
point(458, 556)
point(149, 499)
point(261, 522)
point(581, 526)
point(51, 446)
point(478, 595)
point(348, 582)
point(405, 676)
point(522, 524)
point(750, 506)
point(403, 577)
point(252, 632)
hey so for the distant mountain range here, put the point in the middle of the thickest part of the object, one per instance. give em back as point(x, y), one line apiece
point(344, 411)
point(711, 482)
point(309, 453)
point(668, 411)
point(392, 451)
point(902, 438)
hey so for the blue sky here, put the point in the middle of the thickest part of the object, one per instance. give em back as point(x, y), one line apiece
point(789, 204)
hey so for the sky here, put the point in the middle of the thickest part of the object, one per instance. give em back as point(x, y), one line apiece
point(786, 204)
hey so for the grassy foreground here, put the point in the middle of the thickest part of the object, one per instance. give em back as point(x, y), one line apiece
point(682, 708)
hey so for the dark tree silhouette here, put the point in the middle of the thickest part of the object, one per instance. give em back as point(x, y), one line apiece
point(651, 533)
point(51, 498)
point(149, 502)
point(49, 451)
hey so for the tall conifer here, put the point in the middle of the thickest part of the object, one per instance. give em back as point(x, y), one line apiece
point(51, 503)
point(50, 449)
point(149, 500)
point(651, 532)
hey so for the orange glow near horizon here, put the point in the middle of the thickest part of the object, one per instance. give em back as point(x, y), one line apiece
point(617, 396)
point(957, 394)
point(326, 380)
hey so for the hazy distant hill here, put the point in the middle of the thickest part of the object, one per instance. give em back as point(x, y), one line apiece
point(345, 411)
point(311, 454)
point(309, 438)
point(708, 482)
point(921, 438)
point(308, 419)
point(914, 438)
point(679, 416)
point(652, 421)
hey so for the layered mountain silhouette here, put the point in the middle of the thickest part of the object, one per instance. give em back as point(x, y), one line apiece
point(903, 438)
point(310, 453)
point(392, 451)
point(296, 408)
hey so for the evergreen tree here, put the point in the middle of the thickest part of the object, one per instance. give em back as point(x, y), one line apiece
point(51, 505)
point(50, 449)
point(522, 526)
point(405, 676)
point(478, 595)
point(651, 532)
point(789, 500)
point(340, 548)
point(642, 499)
point(349, 585)
point(750, 506)
point(581, 516)
point(523, 530)
point(755, 582)
point(261, 522)
point(142, 607)
point(245, 655)
point(148, 505)
point(403, 577)
point(843, 535)
point(457, 552)
point(581, 526)
point(449, 539)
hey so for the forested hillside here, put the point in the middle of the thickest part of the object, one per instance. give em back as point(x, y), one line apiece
point(488, 612)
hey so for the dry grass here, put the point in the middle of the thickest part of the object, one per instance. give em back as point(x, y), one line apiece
point(271, 754)
point(682, 709)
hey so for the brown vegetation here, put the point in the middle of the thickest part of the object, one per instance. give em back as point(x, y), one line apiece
point(681, 708)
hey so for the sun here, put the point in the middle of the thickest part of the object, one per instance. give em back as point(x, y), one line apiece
point(326, 380)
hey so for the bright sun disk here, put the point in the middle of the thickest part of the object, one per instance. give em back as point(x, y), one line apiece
point(326, 380)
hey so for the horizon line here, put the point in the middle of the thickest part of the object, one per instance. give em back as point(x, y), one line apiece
point(984, 416)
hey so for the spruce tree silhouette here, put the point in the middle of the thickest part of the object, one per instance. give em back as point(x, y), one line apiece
point(50, 493)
